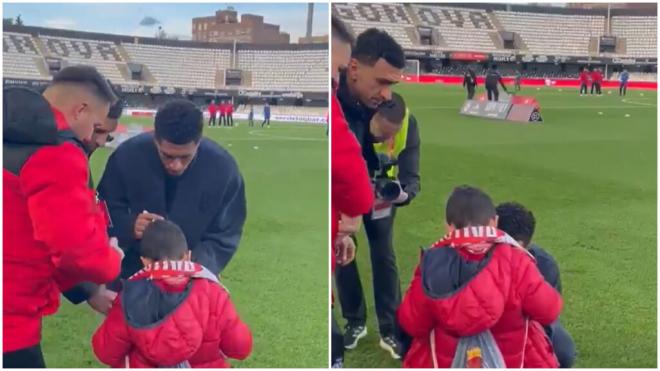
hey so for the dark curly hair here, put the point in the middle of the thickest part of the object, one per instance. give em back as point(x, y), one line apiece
point(179, 122)
point(516, 220)
point(373, 44)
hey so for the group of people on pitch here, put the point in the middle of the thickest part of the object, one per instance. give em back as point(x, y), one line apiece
point(173, 201)
point(484, 275)
point(593, 77)
point(225, 109)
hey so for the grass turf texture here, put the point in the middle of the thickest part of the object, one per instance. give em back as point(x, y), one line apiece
point(278, 277)
point(590, 180)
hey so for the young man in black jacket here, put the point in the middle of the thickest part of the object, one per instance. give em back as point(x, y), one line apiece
point(376, 65)
point(519, 223)
point(174, 173)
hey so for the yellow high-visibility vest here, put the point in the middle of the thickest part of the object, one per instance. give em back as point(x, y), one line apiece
point(394, 146)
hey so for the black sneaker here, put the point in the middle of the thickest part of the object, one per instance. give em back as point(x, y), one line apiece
point(353, 334)
point(392, 345)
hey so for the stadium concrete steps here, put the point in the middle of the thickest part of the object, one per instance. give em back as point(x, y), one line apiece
point(494, 21)
point(412, 15)
point(40, 46)
point(593, 46)
point(496, 39)
point(40, 63)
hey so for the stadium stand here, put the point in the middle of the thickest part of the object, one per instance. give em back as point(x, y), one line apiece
point(363, 16)
point(20, 56)
point(299, 70)
point(553, 33)
point(175, 64)
point(639, 41)
point(165, 63)
point(461, 28)
point(101, 54)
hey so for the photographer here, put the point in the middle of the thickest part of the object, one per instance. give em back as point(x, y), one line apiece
point(376, 64)
point(493, 78)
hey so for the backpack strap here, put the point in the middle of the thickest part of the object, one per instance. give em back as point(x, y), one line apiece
point(434, 357)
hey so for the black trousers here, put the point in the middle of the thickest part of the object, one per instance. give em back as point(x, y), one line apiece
point(250, 121)
point(230, 119)
point(266, 121)
point(385, 279)
point(223, 120)
point(336, 342)
point(597, 85)
point(493, 93)
point(31, 357)
point(622, 89)
point(212, 120)
point(583, 88)
point(470, 92)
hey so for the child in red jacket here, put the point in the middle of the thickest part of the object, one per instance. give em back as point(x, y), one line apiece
point(172, 313)
point(477, 278)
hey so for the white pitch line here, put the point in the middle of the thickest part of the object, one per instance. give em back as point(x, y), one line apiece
point(266, 136)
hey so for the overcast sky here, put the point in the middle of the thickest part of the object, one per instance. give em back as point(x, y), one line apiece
point(175, 18)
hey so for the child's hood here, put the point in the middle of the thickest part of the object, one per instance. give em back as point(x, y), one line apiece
point(165, 327)
point(468, 295)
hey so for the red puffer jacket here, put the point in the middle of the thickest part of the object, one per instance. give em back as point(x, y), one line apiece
point(54, 232)
point(351, 187)
point(455, 294)
point(160, 323)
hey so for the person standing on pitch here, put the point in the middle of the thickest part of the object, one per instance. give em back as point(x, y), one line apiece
point(493, 78)
point(470, 82)
point(376, 65)
point(230, 112)
point(213, 109)
point(584, 80)
point(251, 116)
point(55, 235)
point(623, 82)
point(223, 113)
point(517, 80)
point(266, 115)
point(174, 173)
point(351, 193)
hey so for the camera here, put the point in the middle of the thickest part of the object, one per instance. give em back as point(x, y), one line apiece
point(387, 188)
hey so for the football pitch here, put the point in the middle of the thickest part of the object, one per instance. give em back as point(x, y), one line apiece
point(588, 173)
point(279, 276)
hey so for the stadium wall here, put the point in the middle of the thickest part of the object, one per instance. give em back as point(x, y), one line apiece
point(559, 83)
point(139, 112)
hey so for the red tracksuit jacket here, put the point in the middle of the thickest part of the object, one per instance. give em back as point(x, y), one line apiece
point(456, 293)
point(54, 230)
point(160, 322)
point(213, 109)
point(584, 77)
point(351, 187)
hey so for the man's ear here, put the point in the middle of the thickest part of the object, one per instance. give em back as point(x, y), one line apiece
point(450, 228)
point(352, 69)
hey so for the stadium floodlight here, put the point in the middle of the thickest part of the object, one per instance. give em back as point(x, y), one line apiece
point(412, 69)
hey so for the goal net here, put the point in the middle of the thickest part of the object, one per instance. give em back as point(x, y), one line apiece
point(412, 69)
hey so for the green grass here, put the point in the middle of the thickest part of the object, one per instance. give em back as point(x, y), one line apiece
point(278, 278)
point(591, 182)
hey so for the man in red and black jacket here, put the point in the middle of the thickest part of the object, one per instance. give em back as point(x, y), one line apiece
point(213, 110)
point(351, 195)
point(596, 81)
point(584, 80)
point(56, 236)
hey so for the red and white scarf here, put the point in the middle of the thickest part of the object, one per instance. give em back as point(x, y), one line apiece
point(476, 240)
point(174, 270)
